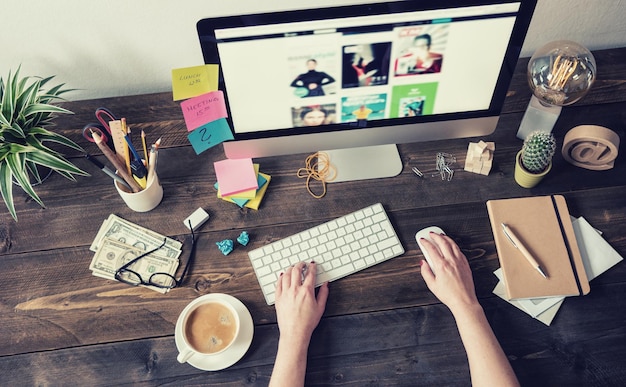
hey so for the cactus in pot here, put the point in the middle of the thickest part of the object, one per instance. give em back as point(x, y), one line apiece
point(534, 160)
point(537, 152)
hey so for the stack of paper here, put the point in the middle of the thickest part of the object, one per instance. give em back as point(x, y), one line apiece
point(239, 181)
point(597, 255)
point(541, 225)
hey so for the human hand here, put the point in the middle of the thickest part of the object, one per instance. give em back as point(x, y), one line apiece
point(453, 284)
point(298, 311)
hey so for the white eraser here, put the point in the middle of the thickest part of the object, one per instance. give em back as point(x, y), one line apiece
point(196, 219)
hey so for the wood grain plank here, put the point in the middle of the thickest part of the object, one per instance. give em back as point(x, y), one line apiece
point(409, 346)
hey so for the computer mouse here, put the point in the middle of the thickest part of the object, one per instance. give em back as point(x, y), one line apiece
point(425, 233)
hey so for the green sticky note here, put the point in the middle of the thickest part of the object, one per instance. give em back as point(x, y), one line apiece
point(189, 82)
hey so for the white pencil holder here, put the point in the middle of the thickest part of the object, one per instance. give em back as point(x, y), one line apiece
point(145, 200)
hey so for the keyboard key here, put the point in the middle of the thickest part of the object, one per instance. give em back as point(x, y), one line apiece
point(342, 271)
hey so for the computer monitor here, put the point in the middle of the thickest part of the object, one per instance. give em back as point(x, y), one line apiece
point(356, 80)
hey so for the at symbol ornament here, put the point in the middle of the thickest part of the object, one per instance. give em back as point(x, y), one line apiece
point(590, 146)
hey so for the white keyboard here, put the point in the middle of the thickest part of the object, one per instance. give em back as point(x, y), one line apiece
point(339, 247)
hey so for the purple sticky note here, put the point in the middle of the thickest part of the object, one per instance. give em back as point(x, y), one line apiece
point(203, 109)
point(209, 135)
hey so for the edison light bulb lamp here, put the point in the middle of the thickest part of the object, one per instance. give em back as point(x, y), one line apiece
point(559, 74)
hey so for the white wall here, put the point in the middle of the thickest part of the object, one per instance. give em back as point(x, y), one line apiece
point(120, 47)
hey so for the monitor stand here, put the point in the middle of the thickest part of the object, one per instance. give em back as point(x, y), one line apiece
point(370, 162)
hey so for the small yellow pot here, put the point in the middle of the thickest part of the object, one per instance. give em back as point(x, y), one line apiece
point(528, 179)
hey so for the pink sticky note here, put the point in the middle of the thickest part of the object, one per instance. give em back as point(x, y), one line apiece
point(235, 175)
point(203, 109)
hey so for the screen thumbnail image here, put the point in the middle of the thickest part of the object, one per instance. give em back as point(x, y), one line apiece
point(365, 64)
point(313, 72)
point(314, 115)
point(420, 49)
point(363, 107)
point(413, 100)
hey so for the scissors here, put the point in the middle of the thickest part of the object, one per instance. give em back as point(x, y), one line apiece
point(103, 115)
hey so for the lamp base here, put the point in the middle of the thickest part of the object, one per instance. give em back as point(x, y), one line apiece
point(538, 116)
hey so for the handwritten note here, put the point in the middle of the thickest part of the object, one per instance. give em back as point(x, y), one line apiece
point(209, 135)
point(235, 175)
point(191, 82)
point(203, 109)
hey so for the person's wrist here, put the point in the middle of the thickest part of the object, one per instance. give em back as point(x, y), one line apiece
point(468, 309)
point(294, 341)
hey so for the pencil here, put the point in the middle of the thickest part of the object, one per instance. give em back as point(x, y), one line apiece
point(152, 164)
point(145, 148)
point(121, 169)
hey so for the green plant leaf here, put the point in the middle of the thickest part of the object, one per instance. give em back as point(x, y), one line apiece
point(44, 108)
point(54, 162)
point(43, 134)
point(14, 130)
point(8, 98)
point(27, 97)
point(17, 164)
point(6, 188)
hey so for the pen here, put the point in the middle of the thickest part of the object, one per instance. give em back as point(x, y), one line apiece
point(121, 169)
point(132, 149)
point(518, 245)
point(107, 170)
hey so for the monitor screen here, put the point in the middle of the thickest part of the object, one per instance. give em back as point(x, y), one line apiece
point(364, 75)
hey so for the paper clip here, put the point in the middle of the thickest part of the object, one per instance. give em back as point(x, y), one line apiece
point(417, 172)
point(444, 160)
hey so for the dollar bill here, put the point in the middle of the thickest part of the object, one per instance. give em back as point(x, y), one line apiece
point(112, 254)
point(134, 235)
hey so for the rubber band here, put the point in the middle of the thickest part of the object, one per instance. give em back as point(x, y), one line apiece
point(311, 171)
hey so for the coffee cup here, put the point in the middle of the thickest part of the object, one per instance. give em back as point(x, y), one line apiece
point(209, 327)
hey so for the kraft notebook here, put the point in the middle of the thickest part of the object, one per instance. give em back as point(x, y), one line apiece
point(543, 225)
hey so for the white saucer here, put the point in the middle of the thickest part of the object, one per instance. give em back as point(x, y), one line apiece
point(236, 351)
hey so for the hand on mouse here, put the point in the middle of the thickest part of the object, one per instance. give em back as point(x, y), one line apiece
point(453, 284)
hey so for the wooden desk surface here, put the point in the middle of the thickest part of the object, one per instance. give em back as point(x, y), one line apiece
point(59, 325)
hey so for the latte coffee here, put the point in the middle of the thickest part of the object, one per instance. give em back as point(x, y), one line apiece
point(211, 327)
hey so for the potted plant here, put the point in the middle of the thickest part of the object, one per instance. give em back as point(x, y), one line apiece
point(534, 160)
point(25, 110)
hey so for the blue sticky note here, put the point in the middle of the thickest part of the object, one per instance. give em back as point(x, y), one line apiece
point(209, 135)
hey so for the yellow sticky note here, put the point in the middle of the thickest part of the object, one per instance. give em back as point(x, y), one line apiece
point(189, 82)
point(256, 202)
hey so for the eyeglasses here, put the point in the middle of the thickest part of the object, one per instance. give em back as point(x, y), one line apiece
point(160, 280)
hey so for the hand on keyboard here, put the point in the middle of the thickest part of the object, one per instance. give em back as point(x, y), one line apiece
point(339, 247)
point(297, 309)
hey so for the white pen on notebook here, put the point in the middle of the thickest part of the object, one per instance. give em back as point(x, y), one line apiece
point(518, 245)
